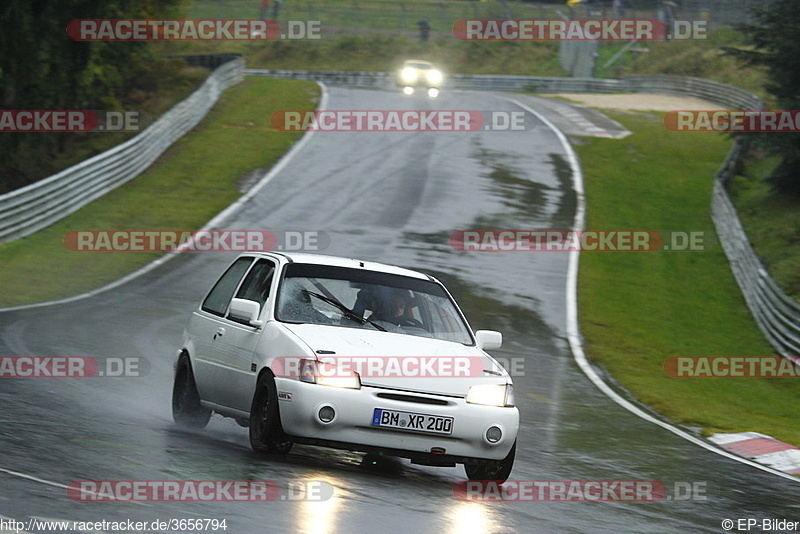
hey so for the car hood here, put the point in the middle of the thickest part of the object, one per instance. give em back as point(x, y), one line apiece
point(400, 361)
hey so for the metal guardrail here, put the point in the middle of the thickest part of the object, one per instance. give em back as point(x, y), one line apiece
point(378, 80)
point(33, 207)
point(720, 93)
point(386, 80)
point(777, 315)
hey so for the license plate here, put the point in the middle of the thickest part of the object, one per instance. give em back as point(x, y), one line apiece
point(433, 424)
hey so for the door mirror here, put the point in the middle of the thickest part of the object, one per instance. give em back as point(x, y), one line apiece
point(245, 311)
point(488, 339)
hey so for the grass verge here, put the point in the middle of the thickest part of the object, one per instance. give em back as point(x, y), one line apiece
point(378, 52)
point(638, 309)
point(192, 182)
point(697, 58)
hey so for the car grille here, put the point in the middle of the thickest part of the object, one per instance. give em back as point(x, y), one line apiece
point(413, 398)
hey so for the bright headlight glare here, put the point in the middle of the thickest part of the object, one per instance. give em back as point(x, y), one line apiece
point(435, 76)
point(491, 394)
point(327, 374)
point(408, 74)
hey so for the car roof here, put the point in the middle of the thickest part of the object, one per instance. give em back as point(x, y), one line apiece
point(337, 261)
point(420, 61)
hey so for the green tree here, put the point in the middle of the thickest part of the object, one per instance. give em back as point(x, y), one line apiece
point(41, 68)
point(774, 39)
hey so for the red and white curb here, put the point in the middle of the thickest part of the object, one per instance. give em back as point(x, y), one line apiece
point(762, 449)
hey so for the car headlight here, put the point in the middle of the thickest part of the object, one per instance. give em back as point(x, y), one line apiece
point(491, 395)
point(408, 75)
point(435, 76)
point(328, 374)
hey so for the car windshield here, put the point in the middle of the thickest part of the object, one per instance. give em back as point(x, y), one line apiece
point(355, 298)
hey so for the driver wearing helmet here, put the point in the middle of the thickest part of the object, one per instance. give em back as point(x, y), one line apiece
point(394, 306)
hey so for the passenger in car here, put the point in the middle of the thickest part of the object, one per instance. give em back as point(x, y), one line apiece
point(394, 306)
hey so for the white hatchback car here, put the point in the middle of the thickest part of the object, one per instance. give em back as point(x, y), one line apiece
point(349, 354)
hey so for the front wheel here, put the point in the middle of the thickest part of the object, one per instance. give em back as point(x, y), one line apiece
point(186, 408)
point(498, 470)
point(266, 433)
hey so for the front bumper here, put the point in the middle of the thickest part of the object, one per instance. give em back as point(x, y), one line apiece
point(351, 428)
point(421, 82)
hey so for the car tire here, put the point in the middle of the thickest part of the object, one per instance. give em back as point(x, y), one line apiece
point(186, 408)
point(498, 471)
point(266, 433)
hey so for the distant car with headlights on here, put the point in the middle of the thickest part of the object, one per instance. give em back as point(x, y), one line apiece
point(416, 73)
point(327, 351)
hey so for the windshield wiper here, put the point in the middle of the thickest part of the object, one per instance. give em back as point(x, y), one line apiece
point(344, 309)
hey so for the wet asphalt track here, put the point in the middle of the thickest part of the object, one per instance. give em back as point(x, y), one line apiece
point(395, 198)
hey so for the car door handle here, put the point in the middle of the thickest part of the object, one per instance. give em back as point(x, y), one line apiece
point(220, 333)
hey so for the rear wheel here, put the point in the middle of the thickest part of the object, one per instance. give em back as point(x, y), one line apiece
point(186, 408)
point(498, 470)
point(266, 433)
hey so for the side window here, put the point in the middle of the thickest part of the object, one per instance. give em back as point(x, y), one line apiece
point(257, 283)
point(217, 300)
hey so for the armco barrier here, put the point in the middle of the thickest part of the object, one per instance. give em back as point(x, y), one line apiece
point(28, 209)
point(777, 315)
point(385, 80)
point(720, 93)
point(33, 207)
point(378, 80)
point(726, 95)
